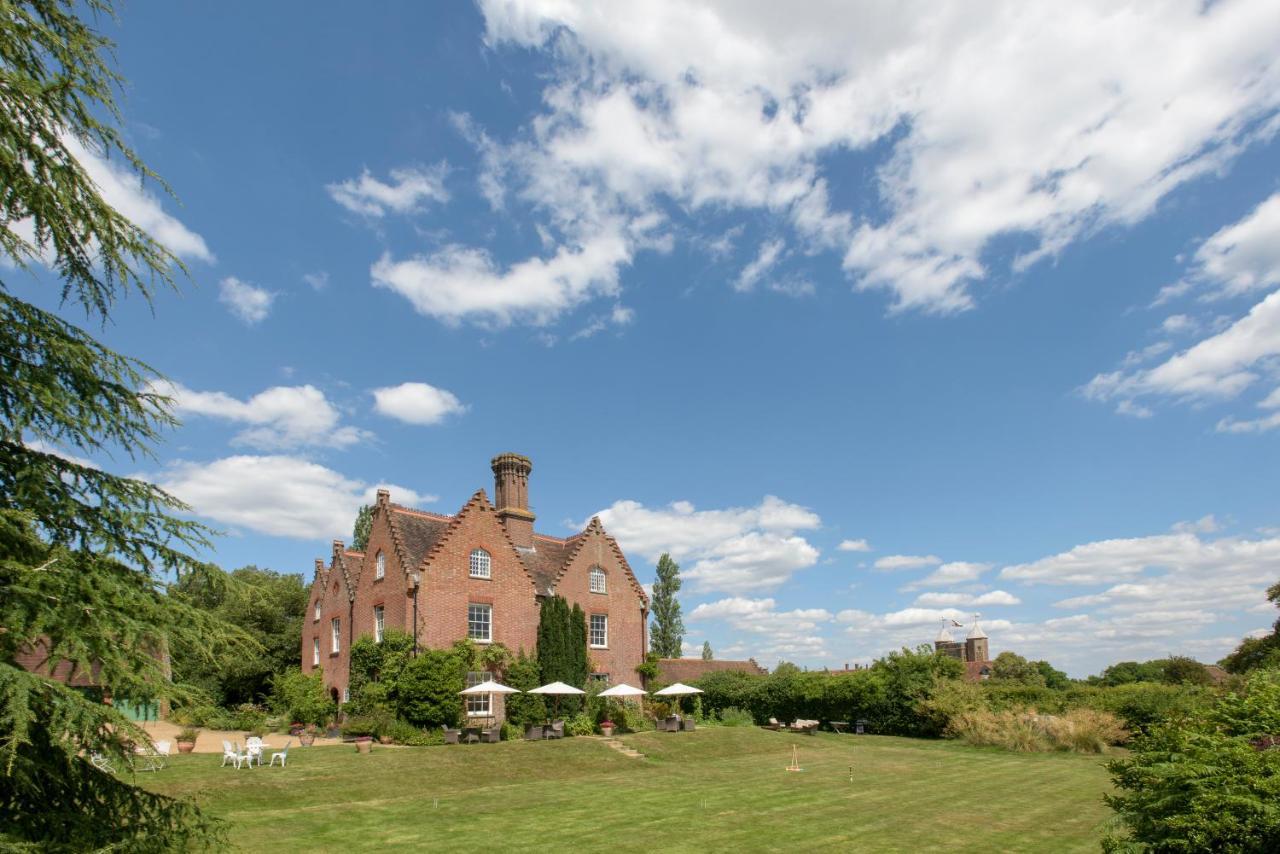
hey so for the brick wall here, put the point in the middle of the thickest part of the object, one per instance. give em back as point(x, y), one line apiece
point(622, 604)
point(389, 591)
point(447, 588)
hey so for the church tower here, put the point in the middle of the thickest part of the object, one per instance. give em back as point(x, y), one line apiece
point(975, 645)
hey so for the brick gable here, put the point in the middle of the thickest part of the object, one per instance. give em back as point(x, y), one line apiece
point(448, 588)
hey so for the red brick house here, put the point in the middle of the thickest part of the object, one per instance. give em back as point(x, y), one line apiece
point(480, 573)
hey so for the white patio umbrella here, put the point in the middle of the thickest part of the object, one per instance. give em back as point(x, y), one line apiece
point(557, 690)
point(622, 691)
point(679, 689)
point(489, 687)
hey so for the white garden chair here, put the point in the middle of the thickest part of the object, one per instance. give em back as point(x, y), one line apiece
point(282, 755)
point(101, 762)
point(153, 757)
point(231, 753)
point(253, 750)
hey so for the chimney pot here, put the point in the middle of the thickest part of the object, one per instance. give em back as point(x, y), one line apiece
point(511, 495)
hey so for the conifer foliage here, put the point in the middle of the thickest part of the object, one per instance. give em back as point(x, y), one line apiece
point(82, 551)
point(562, 644)
point(667, 635)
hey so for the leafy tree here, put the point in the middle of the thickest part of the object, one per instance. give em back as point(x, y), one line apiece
point(427, 688)
point(268, 606)
point(1181, 670)
point(706, 651)
point(360, 531)
point(1127, 672)
point(83, 552)
point(301, 697)
point(1201, 783)
point(1253, 653)
point(909, 679)
point(667, 635)
point(1011, 667)
point(1053, 677)
point(524, 709)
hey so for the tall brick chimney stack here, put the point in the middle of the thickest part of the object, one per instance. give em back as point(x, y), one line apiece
point(511, 495)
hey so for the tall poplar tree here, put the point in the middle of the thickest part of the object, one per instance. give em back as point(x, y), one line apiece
point(360, 530)
point(667, 633)
point(84, 553)
point(706, 651)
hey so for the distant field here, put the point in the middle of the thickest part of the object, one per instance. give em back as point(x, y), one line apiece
point(714, 789)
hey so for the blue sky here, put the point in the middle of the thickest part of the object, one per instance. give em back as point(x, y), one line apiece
point(991, 300)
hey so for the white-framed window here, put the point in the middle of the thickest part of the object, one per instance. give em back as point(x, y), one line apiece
point(598, 582)
point(380, 570)
point(599, 636)
point(480, 622)
point(315, 652)
point(335, 627)
point(316, 612)
point(478, 705)
point(481, 564)
point(379, 622)
point(346, 694)
point(601, 678)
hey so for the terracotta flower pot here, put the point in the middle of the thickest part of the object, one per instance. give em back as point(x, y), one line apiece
point(607, 730)
point(306, 739)
point(363, 744)
point(186, 746)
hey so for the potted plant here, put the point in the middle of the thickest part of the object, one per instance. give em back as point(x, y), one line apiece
point(187, 739)
point(307, 736)
point(296, 728)
point(606, 727)
point(361, 731)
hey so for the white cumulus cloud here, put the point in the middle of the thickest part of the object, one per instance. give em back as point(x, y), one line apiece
point(280, 496)
point(280, 417)
point(736, 550)
point(248, 302)
point(896, 562)
point(417, 403)
point(406, 192)
point(1044, 121)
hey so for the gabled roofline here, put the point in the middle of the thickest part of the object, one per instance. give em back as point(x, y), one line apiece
point(477, 499)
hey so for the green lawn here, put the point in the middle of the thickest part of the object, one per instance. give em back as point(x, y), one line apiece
point(713, 789)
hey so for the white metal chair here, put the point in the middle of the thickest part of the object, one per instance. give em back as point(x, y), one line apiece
point(101, 762)
point(253, 750)
point(282, 755)
point(231, 752)
point(152, 757)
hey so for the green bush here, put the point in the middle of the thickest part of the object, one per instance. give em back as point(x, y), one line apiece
point(580, 724)
point(1140, 705)
point(301, 697)
point(403, 732)
point(1200, 783)
point(524, 710)
point(427, 689)
point(733, 716)
point(359, 727)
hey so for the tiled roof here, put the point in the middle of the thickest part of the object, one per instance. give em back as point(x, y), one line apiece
point(415, 532)
point(351, 565)
point(547, 559)
point(692, 669)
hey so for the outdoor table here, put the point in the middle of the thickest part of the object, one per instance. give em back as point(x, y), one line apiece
point(839, 726)
point(471, 734)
